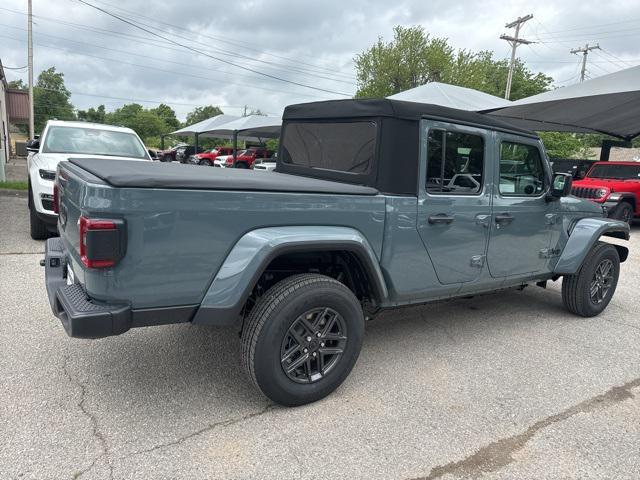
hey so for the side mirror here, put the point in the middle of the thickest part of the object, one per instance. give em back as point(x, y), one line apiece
point(33, 145)
point(561, 185)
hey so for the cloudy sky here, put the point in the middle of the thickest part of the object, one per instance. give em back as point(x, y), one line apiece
point(309, 43)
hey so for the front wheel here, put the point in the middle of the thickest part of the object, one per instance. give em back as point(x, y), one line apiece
point(302, 339)
point(624, 212)
point(204, 162)
point(588, 292)
point(37, 228)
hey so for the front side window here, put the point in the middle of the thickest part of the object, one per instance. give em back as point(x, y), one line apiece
point(455, 163)
point(521, 170)
point(338, 146)
point(92, 141)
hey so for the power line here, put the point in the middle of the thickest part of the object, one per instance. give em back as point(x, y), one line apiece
point(274, 77)
point(245, 45)
point(15, 68)
point(190, 66)
point(163, 44)
point(148, 67)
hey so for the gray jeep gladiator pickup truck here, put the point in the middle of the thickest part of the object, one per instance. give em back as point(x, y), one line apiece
point(374, 204)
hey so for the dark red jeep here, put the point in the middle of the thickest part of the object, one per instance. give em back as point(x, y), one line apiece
point(615, 185)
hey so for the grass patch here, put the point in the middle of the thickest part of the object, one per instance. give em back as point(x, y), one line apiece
point(14, 185)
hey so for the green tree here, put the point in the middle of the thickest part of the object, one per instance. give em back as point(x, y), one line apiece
point(199, 114)
point(95, 115)
point(147, 123)
point(414, 58)
point(18, 84)
point(166, 113)
point(565, 145)
point(51, 99)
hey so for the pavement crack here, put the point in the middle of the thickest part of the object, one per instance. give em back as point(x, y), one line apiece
point(94, 424)
point(208, 428)
point(498, 454)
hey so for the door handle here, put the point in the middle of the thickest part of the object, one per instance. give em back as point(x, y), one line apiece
point(483, 219)
point(504, 218)
point(440, 218)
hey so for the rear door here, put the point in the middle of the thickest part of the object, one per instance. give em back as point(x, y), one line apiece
point(454, 204)
point(522, 218)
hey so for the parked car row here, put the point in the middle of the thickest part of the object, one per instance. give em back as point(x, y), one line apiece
point(223, 157)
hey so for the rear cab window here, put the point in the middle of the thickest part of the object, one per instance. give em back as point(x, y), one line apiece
point(345, 147)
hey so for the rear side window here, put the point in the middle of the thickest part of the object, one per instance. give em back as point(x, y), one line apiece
point(521, 170)
point(455, 163)
point(340, 146)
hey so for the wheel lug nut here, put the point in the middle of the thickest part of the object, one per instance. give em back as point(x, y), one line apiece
point(322, 344)
point(306, 350)
point(318, 334)
point(308, 339)
point(314, 354)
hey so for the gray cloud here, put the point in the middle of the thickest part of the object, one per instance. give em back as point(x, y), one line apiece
point(304, 41)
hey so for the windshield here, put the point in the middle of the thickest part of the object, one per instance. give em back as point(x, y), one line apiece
point(93, 141)
point(615, 171)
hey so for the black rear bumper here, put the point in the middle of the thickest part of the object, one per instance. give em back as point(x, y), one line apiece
point(83, 317)
point(80, 317)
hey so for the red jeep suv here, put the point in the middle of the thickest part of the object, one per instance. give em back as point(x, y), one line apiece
point(615, 185)
point(246, 158)
point(207, 158)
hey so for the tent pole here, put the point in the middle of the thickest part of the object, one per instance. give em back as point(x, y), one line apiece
point(162, 142)
point(235, 147)
point(196, 144)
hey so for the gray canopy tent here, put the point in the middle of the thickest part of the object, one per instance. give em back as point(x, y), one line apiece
point(452, 96)
point(609, 104)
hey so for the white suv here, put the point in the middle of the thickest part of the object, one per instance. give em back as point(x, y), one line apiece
point(63, 140)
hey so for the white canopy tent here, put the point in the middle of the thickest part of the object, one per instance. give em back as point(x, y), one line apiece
point(451, 96)
point(609, 104)
point(251, 127)
point(205, 125)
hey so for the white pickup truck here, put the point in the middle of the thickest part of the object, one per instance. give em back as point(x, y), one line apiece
point(62, 140)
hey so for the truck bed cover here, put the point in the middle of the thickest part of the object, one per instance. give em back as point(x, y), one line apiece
point(135, 174)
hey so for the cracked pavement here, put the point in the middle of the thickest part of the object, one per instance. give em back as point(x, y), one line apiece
point(503, 386)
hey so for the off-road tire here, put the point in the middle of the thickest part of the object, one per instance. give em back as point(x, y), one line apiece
point(204, 162)
point(37, 228)
point(269, 321)
point(242, 165)
point(624, 212)
point(576, 288)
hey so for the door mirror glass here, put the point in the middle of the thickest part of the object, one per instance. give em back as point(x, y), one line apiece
point(561, 186)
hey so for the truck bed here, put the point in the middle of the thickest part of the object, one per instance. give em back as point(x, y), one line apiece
point(132, 174)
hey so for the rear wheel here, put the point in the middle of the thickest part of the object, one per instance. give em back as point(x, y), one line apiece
point(623, 212)
point(204, 162)
point(302, 339)
point(588, 292)
point(241, 165)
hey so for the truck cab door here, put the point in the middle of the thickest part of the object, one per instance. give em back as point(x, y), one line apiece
point(454, 198)
point(522, 218)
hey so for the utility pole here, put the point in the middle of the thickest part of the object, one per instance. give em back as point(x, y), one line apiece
point(585, 51)
point(30, 63)
point(514, 42)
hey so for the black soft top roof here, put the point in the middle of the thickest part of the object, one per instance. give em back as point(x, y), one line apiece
point(384, 107)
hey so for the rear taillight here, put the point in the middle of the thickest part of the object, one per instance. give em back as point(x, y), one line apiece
point(102, 242)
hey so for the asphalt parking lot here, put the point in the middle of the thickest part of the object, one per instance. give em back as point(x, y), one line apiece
point(503, 386)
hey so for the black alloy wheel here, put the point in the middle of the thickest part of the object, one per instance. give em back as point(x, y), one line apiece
point(313, 345)
point(602, 281)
